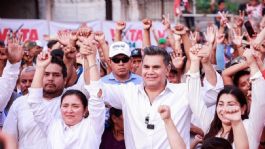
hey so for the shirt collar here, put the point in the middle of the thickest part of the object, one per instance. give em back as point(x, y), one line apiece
point(169, 87)
point(131, 77)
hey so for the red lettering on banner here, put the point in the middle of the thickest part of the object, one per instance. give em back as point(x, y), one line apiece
point(139, 35)
point(33, 35)
point(161, 34)
point(3, 34)
point(132, 31)
point(24, 33)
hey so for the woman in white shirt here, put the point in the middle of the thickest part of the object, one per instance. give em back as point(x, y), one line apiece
point(231, 108)
point(73, 129)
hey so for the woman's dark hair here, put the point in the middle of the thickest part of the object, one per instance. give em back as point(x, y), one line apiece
point(216, 124)
point(216, 143)
point(238, 75)
point(77, 93)
point(112, 112)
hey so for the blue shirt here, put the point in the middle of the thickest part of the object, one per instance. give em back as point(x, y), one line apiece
point(110, 79)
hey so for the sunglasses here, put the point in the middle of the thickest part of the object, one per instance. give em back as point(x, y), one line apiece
point(118, 60)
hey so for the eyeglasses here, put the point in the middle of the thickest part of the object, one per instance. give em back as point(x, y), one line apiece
point(118, 60)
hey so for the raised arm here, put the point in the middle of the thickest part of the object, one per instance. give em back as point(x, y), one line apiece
point(196, 102)
point(167, 28)
point(68, 40)
point(228, 73)
point(11, 70)
point(257, 110)
point(112, 93)
point(205, 54)
point(181, 30)
point(100, 38)
point(35, 98)
point(120, 26)
point(147, 24)
point(174, 138)
point(233, 114)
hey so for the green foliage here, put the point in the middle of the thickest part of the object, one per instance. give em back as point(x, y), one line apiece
point(203, 6)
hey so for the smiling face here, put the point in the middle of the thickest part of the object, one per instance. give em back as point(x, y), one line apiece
point(154, 71)
point(72, 110)
point(225, 101)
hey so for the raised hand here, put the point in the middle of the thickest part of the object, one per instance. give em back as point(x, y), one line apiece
point(248, 54)
point(239, 20)
point(224, 20)
point(166, 21)
point(89, 46)
point(164, 111)
point(83, 32)
point(205, 53)
point(180, 29)
point(210, 34)
point(147, 23)
point(99, 36)
point(237, 39)
point(43, 60)
point(177, 59)
point(194, 50)
point(120, 25)
point(193, 37)
point(67, 37)
point(232, 113)
point(14, 48)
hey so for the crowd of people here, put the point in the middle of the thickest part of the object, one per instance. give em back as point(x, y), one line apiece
point(192, 90)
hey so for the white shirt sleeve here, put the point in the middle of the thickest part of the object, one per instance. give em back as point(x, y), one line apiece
point(210, 92)
point(255, 122)
point(112, 93)
point(196, 102)
point(8, 82)
point(40, 112)
point(11, 122)
point(96, 108)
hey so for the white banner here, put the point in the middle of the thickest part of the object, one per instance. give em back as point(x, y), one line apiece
point(30, 29)
point(56, 26)
point(133, 33)
point(36, 29)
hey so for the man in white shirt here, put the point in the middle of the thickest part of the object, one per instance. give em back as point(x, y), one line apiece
point(20, 121)
point(143, 125)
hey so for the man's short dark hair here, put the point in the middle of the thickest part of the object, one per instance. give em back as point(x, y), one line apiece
point(51, 43)
point(57, 53)
point(60, 62)
point(155, 50)
point(238, 75)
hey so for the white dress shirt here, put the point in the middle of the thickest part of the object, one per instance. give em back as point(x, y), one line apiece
point(253, 125)
point(20, 121)
point(8, 82)
point(209, 94)
point(136, 107)
point(85, 134)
